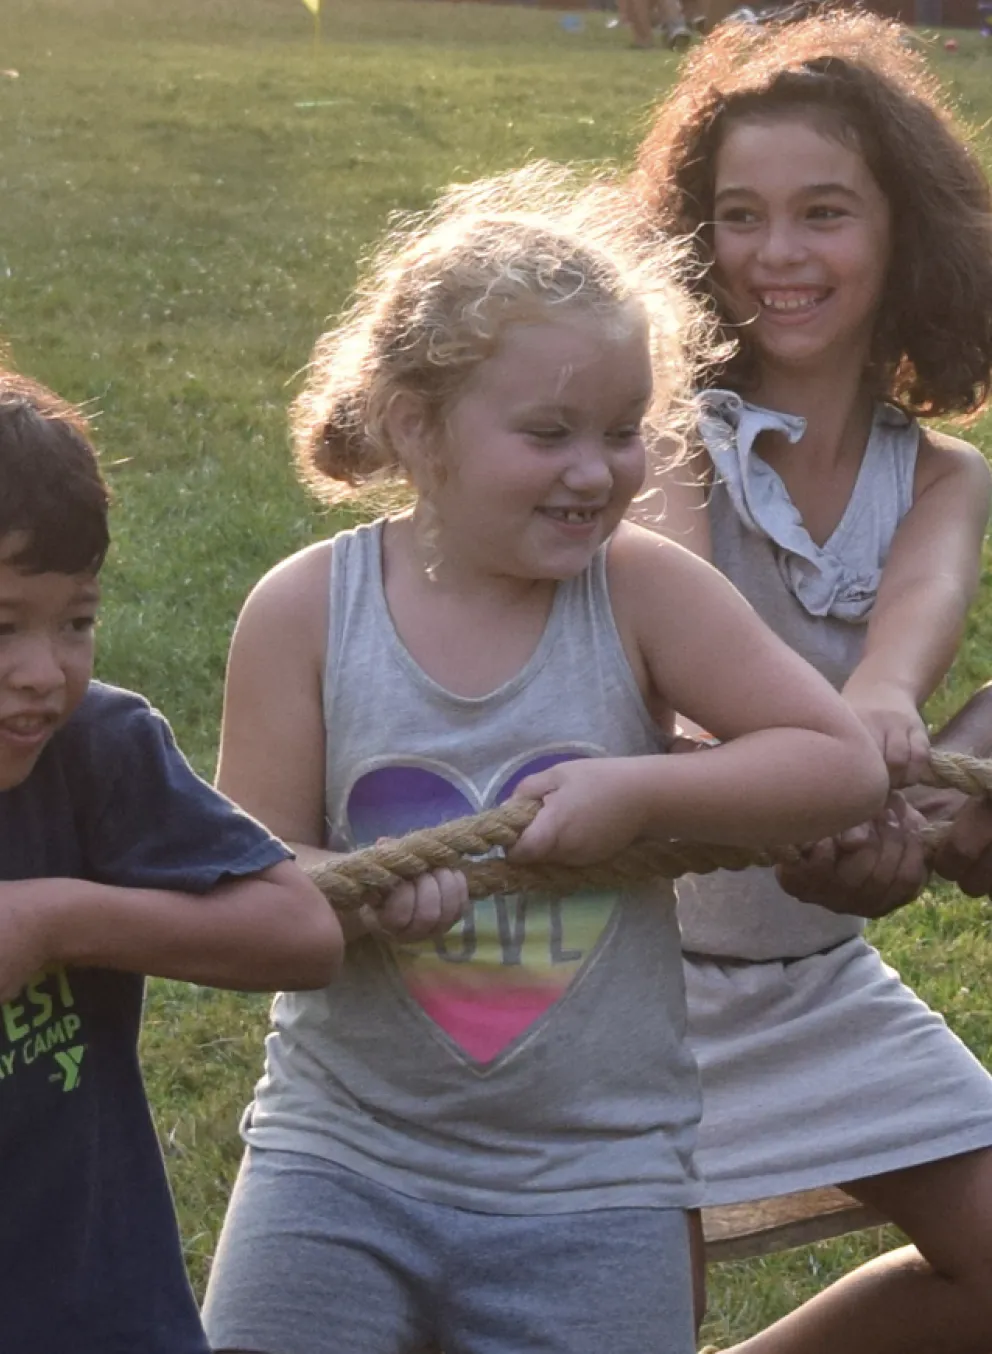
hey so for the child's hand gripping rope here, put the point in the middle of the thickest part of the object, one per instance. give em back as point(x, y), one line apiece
point(868, 871)
point(419, 908)
point(354, 881)
point(897, 728)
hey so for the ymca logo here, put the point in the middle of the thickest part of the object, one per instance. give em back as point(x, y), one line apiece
point(70, 1061)
point(40, 1028)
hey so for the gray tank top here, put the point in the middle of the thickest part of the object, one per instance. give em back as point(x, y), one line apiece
point(817, 600)
point(531, 1060)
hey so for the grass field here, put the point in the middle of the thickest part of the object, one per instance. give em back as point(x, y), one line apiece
point(186, 187)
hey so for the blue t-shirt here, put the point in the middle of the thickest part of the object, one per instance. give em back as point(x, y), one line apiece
point(90, 1259)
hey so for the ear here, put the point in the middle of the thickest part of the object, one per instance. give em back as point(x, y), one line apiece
point(407, 428)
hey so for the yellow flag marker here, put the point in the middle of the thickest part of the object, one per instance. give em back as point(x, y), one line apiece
point(314, 7)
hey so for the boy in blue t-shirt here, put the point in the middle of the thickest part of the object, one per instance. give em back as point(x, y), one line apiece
point(115, 861)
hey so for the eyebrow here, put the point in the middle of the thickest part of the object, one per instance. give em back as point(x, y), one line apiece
point(642, 398)
point(88, 595)
point(808, 190)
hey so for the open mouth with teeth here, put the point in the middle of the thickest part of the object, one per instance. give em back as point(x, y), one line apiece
point(28, 727)
point(573, 517)
point(792, 302)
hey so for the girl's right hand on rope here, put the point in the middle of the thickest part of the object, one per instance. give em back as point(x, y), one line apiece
point(429, 906)
point(590, 809)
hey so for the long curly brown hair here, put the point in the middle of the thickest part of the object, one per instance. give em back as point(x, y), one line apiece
point(856, 77)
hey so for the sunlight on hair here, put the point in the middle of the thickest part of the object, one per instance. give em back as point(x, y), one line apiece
point(852, 75)
point(537, 244)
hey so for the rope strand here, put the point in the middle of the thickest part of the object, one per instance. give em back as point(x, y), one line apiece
point(366, 876)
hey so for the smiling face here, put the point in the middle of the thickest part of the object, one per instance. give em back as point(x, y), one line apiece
point(801, 242)
point(543, 449)
point(46, 657)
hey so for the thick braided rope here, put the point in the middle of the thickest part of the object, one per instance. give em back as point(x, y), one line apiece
point(353, 880)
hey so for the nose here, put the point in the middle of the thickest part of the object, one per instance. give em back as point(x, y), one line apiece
point(589, 470)
point(37, 667)
point(781, 243)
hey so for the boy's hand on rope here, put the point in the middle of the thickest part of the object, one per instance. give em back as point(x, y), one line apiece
point(429, 906)
point(868, 871)
point(589, 812)
point(898, 730)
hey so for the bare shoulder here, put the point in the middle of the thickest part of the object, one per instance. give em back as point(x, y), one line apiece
point(293, 586)
point(942, 457)
point(638, 555)
point(287, 612)
point(651, 576)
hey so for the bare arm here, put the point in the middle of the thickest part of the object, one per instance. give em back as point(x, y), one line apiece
point(928, 584)
point(268, 930)
point(970, 729)
point(272, 733)
point(673, 504)
point(273, 740)
point(354, 924)
point(263, 932)
point(966, 857)
point(881, 865)
point(785, 734)
point(272, 747)
point(793, 756)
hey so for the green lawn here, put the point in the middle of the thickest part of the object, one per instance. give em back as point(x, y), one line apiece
point(186, 187)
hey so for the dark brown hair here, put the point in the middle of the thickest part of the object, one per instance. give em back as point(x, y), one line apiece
point(51, 489)
point(858, 78)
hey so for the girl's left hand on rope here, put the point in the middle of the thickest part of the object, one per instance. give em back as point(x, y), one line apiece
point(589, 811)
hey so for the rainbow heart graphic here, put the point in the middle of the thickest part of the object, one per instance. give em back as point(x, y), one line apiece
point(494, 976)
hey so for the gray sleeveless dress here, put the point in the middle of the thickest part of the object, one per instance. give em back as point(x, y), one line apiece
point(533, 1060)
point(818, 1064)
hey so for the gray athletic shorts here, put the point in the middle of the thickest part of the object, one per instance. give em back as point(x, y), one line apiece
point(315, 1259)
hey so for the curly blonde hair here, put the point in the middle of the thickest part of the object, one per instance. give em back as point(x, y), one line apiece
point(527, 246)
point(858, 78)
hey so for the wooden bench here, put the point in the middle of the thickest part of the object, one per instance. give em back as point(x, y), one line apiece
point(742, 1231)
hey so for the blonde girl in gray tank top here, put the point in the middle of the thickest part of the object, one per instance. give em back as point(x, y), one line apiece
point(481, 1134)
point(844, 235)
